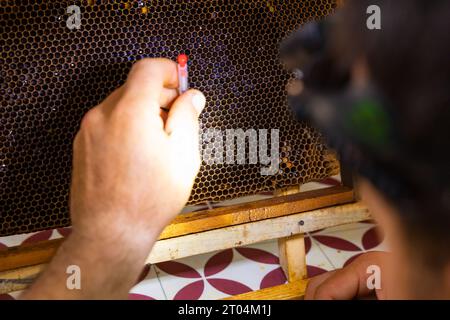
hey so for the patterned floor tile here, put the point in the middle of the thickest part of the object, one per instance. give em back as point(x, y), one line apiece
point(148, 286)
point(233, 271)
point(7, 296)
point(30, 238)
point(12, 295)
point(185, 279)
point(264, 257)
point(229, 272)
point(342, 247)
point(316, 261)
point(220, 274)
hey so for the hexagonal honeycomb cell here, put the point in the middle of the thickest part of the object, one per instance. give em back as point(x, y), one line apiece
point(50, 75)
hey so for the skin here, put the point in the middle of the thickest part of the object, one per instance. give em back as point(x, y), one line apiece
point(351, 281)
point(133, 168)
point(402, 275)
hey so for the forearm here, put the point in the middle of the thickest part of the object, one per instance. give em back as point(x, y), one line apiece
point(108, 269)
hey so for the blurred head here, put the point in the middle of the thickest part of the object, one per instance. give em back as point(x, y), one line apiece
point(407, 61)
point(388, 115)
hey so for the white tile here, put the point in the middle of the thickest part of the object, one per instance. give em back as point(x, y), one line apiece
point(353, 238)
point(338, 257)
point(16, 294)
point(15, 240)
point(150, 286)
point(241, 272)
point(172, 284)
point(316, 258)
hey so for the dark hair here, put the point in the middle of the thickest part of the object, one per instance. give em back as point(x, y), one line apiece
point(409, 62)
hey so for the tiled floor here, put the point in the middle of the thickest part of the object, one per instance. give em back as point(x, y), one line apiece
point(240, 270)
point(233, 271)
point(220, 274)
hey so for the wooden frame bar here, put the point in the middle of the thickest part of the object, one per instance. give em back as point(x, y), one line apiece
point(224, 238)
point(193, 223)
point(258, 210)
point(293, 257)
point(290, 291)
point(298, 213)
point(286, 218)
point(253, 232)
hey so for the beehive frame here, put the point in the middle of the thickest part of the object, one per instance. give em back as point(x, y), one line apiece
point(52, 74)
point(285, 217)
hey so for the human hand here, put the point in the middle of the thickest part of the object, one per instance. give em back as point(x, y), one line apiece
point(133, 165)
point(350, 282)
point(133, 169)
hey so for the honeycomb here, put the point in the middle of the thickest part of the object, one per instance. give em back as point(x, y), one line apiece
point(50, 75)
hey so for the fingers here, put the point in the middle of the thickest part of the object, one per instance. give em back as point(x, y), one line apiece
point(344, 284)
point(183, 115)
point(148, 82)
point(295, 87)
point(151, 86)
point(153, 73)
point(151, 83)
point(167, 97)
point(183, 131)
point(347, 283)
point(316, 282)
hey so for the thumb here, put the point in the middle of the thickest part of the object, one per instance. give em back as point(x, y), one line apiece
point(183, 129)
point(184, 112)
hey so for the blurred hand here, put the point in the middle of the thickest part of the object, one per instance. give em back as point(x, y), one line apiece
point(133, 164)
point(350, 282)
point(133, 169)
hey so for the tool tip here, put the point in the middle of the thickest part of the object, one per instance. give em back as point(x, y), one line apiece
point(182, 59)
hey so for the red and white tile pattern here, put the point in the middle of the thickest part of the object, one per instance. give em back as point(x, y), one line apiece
point(234, 271)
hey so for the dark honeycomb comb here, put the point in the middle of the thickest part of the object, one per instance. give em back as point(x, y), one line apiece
point(51, 75)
